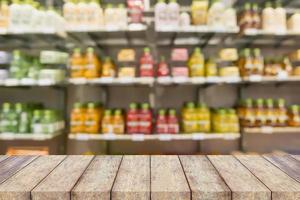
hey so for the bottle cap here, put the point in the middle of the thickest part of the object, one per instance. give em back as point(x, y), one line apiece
point(133, 106)
point(146, 49)
point(145, 106)
point(118, 112)
point(161, 112)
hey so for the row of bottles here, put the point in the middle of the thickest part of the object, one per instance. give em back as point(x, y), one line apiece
point(29, 118)
point(272, 18)
point(268, 112)
point(216, 15)
point(90, 66)
point(198, 118)
point(28, 16)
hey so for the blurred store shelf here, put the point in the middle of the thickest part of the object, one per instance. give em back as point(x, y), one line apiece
point(29, 136)
point(160, 137)
point(272, 130)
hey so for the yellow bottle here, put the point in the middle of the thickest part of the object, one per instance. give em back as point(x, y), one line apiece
point(77, 64)
point(118, 122)
point(77, 119)
point(107, 123)
point(4, 15)
point(108, 68)
point(199, 12)
point(189, 118)
point(203, 119)
point(92, 119)
point(93, 65)
point(196, 63)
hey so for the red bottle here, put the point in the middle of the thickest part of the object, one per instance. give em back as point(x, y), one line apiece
point(146, 64)
point(161, 123)
point(132, 119)
point(173, 125)
point(163, 68)
point(145, 117)
point(136, 8)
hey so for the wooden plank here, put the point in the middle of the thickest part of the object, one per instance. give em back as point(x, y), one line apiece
point(287, 164)
point(282, 186)
point(59, 183)
point(242, 183)
point(97, 180)
point(3, 158)
point(19, 186)
point(297, 157)
point(203, 179)
point(12, 165)
point(133, 179)
point(167, 179)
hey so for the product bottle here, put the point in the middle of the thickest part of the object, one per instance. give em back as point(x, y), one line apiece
point(83, 15)
point(256, 20)
point(161, 122)
point(17, 66)
point(92, 119)
point(229, 18)
point(145, 119)
point(258, 62)
point(136, 8)
point(173, 124)
point(216, 14)
point(249, 117)
point(280, 18)
point(163, 68)
point(268, 18)
point(95, 15)
point(189, 118)
point(269, 113)
point(48, 121)
point(36, 123)
point(8, 123)
point(69, 13)
point(211, 68)
point(14, 19)
point(294, 116)
point(245, 21)
point(122, 17)
point(24, 121)
point(132, 119)
point(259, 113)
point(26, 14)
point(199, 12)
point(93, 66)
point(196, 63)
point(108, 68)
point(146, 64)
point(160, 11)
point(184, 20)
point(77, 64)
point(280, 113)
point(107, 123)
point(77, 118)
point(109, 16)
point(4, 16)
point(173, 12)
point(248, 63)
point(118, 122)
point(203, 118)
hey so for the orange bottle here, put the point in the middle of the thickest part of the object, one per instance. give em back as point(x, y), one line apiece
point(92, 119)
point(107, 123)
point(77, 119)
point(77, 64)
point(118, 122)
point(108, 68)
point(93, 65)
point(4, 15)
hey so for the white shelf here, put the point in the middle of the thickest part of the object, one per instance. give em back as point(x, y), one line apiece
point(272, 130)
point(159, 137)
point(130, 28)
point(29, 136)
point(199, 29)
point(28, 82)
point(112, 81)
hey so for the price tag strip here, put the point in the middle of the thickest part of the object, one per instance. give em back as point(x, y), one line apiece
point(137, 137)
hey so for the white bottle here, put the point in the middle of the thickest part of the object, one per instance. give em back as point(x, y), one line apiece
point(173, 14)
point(230, 18)
point(69, 9)
point(109, 17)
point(185, 20)
point(83, 15)
point(280, 18)
point(294, 23)
point(215, 15)
point(14, 20)
point(160, 11)
point(50, 21)
point(268, 18)
point(95, 17)
point(27, 10)
point(121, 12)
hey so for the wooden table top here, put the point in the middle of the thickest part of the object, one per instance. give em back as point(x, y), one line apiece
point(157, 177)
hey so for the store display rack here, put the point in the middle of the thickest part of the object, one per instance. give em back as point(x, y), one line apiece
point(29, 136)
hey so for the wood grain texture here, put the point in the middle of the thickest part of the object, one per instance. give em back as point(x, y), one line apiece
point(98, 179)
point(58, 184)
point(12, 165)
point(287, 164)
point(297, 157)
point(167, 179)
point(242, 183)
point(133, 179)
point(204, 180)
point(3, 158)
point(282, 186)
point(19, 186)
